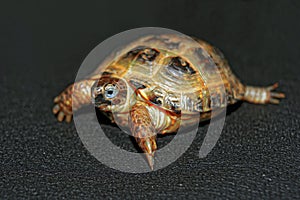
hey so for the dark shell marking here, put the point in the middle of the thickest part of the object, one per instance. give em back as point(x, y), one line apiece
point(180, 67)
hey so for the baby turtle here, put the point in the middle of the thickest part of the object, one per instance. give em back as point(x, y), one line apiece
point(151, 83)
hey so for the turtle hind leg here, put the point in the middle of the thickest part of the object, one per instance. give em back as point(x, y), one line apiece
point(262, 95)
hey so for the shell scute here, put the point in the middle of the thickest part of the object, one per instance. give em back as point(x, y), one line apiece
point(162, 63)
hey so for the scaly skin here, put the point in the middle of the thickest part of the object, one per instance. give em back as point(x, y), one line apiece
point(65, 104)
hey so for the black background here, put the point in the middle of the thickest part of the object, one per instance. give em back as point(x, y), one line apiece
point(42, 46)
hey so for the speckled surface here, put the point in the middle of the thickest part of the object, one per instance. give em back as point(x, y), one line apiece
point(42, 46)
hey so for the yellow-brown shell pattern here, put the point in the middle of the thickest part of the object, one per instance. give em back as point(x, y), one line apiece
point(162, 67)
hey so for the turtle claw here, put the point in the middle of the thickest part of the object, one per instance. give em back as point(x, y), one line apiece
point(278, 95)
point(62, 113)
point(68, 118)
point(55, 109)
point(61, 116)
point(274, 97)
point(56, 99)
point(63, 109)
point(273, 87)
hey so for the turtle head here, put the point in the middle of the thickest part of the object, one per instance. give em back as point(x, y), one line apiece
point(109, 93)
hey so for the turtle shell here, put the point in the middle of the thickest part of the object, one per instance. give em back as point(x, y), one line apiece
point(175, 73)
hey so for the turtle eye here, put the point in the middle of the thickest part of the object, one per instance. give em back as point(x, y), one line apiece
point(111, 91)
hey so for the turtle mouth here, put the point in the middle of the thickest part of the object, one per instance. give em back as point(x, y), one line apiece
point(99, 100)
point(103, 107)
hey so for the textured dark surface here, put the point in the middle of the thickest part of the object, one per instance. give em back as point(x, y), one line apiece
point(43, 44)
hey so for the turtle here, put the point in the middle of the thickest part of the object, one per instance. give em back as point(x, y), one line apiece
point(159, 83)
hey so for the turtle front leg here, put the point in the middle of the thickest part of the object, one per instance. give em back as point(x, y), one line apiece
point(143, 130)
point(262, 95)
point(76, 95)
